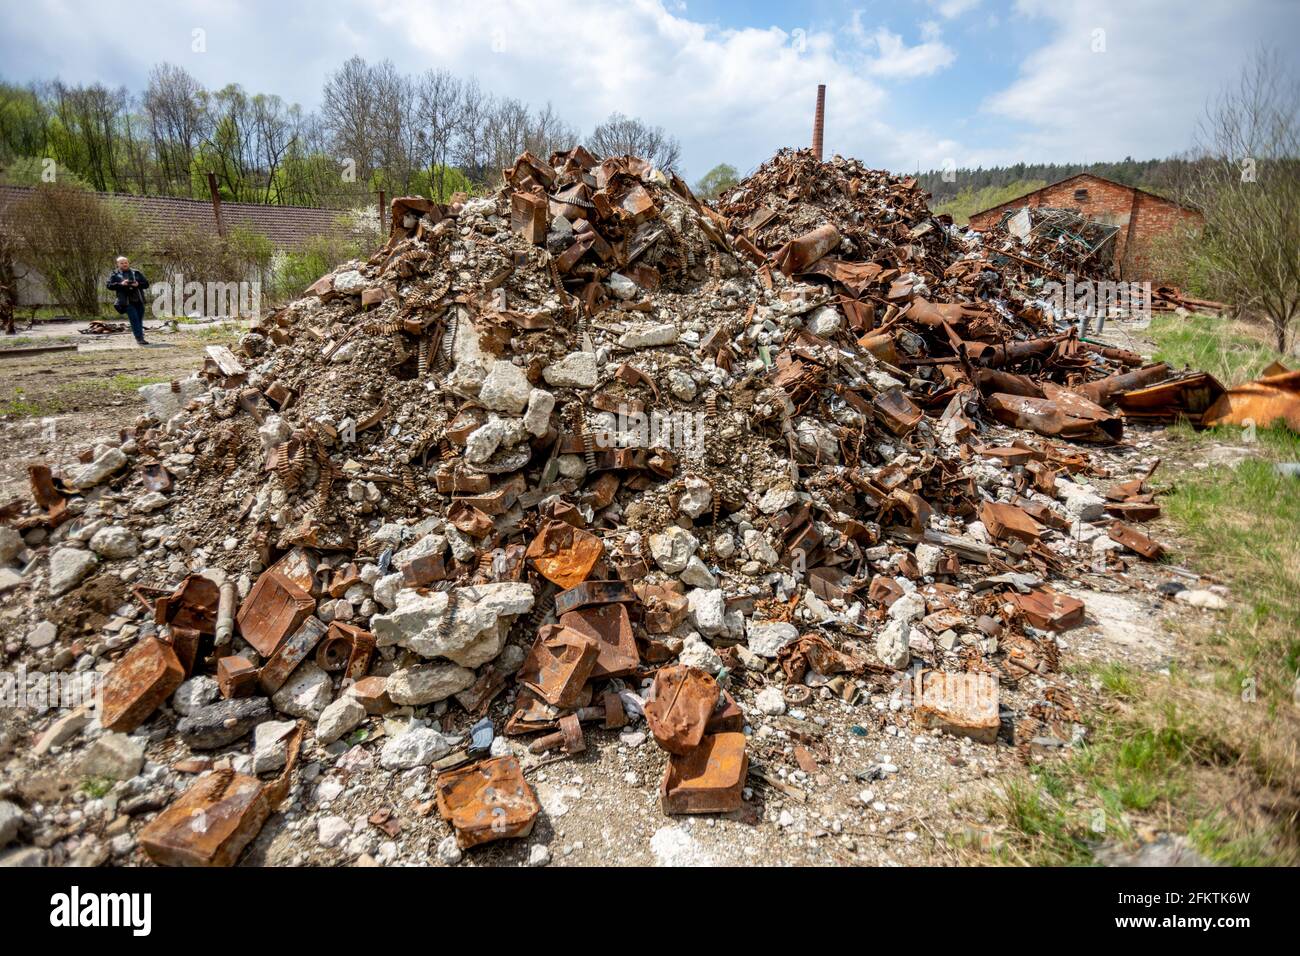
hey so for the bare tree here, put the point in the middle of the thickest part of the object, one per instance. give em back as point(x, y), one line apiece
point(470, 149)
point(176, 105)
point(1247, 185)
point(622, 135)
point(549, 133)
point(349, 110)
point(440, 105)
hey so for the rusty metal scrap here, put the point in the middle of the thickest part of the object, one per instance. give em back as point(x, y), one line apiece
point(275, 608)
point(486, 801)
point(212, 822)
point(559, 663)
point(563, 554)
point(138, 685)
point(682, 702)
point(708, 778)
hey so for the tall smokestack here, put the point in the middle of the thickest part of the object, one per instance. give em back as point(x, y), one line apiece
point(819, 121)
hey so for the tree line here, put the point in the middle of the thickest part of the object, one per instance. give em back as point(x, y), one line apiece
point(377, 129)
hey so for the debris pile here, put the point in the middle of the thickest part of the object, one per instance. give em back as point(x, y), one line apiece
point(587, 453)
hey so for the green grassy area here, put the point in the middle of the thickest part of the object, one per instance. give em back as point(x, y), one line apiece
point(1233, 352)
point(23, 404)
point(1209, 748)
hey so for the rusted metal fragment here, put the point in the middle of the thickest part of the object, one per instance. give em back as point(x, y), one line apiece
point(212, 822)
point(1068, 416)
point(611, 628)
point(48, 496)
point(424, 570)
point(1134, 510)
point(1187, 397)
point(727, 716)
point(192, 605)
point(813, 652)
point(472, 521)
point(896, 411)
point(564, 554)
point(372, 694)
point(274, 609)
point(1104, 391)
point(665, 606)
point(346, 648)
point(964, 705)
point(1007, 521)
point(486, 801)
point(1048, 609)
point(1266, 401)
point(709, 778)
point(291, 652)
point(801, 252)
point(236, 677)
point(558, 665)
point(568, 738)
point(683, 702)
point(589, 593)
point(1135, 540)
point(138, 684)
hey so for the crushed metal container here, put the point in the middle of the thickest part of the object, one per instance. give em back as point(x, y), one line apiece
point(487, 801)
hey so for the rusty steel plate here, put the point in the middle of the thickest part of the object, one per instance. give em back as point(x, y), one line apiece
point(708, 779)
point(487, 801)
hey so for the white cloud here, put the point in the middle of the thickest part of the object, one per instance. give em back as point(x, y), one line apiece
point(897, 60)
point(949, 9)
point(733, 95)
point(1141, 90)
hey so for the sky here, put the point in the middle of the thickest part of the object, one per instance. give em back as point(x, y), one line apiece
point(911, 84)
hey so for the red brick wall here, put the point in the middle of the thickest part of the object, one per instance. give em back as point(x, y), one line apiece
point(1140, 216)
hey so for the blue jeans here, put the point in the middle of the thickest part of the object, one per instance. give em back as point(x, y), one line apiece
point(136, 314)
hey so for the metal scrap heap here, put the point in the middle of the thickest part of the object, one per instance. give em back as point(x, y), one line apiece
point(588, 452)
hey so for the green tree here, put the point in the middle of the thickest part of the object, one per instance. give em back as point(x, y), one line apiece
point(717, 181)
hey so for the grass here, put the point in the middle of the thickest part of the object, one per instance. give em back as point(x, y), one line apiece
point(1208, 750)
point(96, 787)
point(1233, 352)
point(21, 404)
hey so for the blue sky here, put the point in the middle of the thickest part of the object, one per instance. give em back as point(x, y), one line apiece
point(910, 82)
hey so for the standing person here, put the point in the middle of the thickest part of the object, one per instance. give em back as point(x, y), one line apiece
point(129, 284)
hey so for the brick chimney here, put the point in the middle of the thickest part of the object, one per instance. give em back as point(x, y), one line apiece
point(819, 121)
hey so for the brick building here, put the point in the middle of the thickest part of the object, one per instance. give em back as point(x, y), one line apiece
point(1141, 217)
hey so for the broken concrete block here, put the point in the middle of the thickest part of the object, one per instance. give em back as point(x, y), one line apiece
point(537, 417)
point(893, 644)
point(306, 693)
point(339, 718)
point(427, 683)
point(114, 757)
point(104, 466)
point(672, 548)
point(648, 336)
point(68, 568)
point(115, 542)
point(415, 748)
point(505, 389)
point(964, 704)
point(575, 370)
point(271, 745)
point(765, 638)
point(466, 625)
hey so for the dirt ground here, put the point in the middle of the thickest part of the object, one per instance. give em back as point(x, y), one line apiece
point(880, 793)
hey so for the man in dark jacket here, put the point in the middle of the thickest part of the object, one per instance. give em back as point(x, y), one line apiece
point(129, 284)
